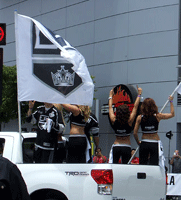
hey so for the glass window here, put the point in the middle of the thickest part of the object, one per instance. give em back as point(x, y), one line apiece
point(28, 148)
point(2, 142)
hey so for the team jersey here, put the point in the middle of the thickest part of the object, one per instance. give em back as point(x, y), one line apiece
point(150, 124)
point(92, 126)
point(77, 120)
point(123, 130)
point(46, 139)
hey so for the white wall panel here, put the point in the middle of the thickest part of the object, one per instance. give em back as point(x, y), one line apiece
point(4, 4)
point(153, 20)
point(153, 45)
point(111, 27)
point(30, 8)
point(73, 2)
point(10, 33)
point(54, 20)
point(80, 13)
point(142, 4)
point(152, 70)
point(178, 114)
point(88, 52)
point(50, 5)
point(105, 8)
point(111, 51)
point(111, 74)
point(81, 34)
point(9, 53)
point(7, 15)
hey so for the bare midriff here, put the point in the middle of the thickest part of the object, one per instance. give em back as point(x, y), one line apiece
point(122, 140)
point(150, 136)
point(77, 130)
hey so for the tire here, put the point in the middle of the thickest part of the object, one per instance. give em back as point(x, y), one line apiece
point(47, 194)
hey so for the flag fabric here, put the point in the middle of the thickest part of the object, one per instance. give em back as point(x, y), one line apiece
point(178, 88)
point(49, 69)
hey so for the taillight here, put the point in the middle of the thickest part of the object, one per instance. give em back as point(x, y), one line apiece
point(166, 178)
point(104, 179)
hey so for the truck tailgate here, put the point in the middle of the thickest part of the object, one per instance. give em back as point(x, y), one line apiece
point(138, 182)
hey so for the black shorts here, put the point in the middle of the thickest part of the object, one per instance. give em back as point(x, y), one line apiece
point(123, 152)
point(77, 149)
point(148, 153)
point(43, 156)
point(60, 154)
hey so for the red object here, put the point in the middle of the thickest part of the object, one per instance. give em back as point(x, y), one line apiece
point(2, 34)
point(102, 176)
point(97, 159)
point(135, 160)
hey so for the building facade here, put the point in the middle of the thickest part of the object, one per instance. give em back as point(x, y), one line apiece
point(123, 42)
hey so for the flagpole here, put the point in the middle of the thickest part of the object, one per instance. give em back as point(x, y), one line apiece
point(19, 116)
point(19, 105)
point(133, 155)
point(170, 95)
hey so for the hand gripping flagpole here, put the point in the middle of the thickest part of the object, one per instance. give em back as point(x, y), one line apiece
point(179, 85)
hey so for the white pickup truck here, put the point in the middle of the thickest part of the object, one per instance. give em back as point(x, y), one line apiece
point(82, 181)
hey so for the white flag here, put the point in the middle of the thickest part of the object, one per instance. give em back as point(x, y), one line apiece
point(179, 88)
point(49, 69)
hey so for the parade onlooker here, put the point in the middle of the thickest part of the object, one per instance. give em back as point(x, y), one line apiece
point(176, 162)
point(150, 145)
point(99, 158)
point(12, 184)
point(122, 124)
point(135, 159)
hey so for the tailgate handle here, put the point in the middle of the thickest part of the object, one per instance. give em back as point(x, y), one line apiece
point(141, 175)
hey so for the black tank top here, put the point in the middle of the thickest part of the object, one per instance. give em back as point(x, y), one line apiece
point(77, 120)
point(123, 130)
point(149, 125)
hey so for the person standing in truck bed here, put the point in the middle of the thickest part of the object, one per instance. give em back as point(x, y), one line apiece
point(150, 145)
point(122, 125)
point(78, 145)
point(49, 124)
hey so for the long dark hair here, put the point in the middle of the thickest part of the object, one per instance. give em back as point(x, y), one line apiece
point(148, 108)
point(122, 114)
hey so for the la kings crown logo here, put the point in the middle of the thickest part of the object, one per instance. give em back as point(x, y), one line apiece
point(63, 77)
point(49, 67)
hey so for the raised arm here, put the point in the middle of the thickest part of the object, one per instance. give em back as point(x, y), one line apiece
point(135, 108)
point(136, 128)
point(111, 112)
point(72, 108)
point(31, 105)
point(167, 115)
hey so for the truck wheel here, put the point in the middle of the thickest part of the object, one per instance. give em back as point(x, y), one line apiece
point(47, 194)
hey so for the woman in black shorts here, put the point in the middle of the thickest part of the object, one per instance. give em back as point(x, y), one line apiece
point(78, 146)
point(150, 146)
point(122, 125)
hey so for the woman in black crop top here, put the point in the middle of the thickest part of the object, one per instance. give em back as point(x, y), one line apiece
point(122, 125)
point(77, 146)
point(151, 150)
